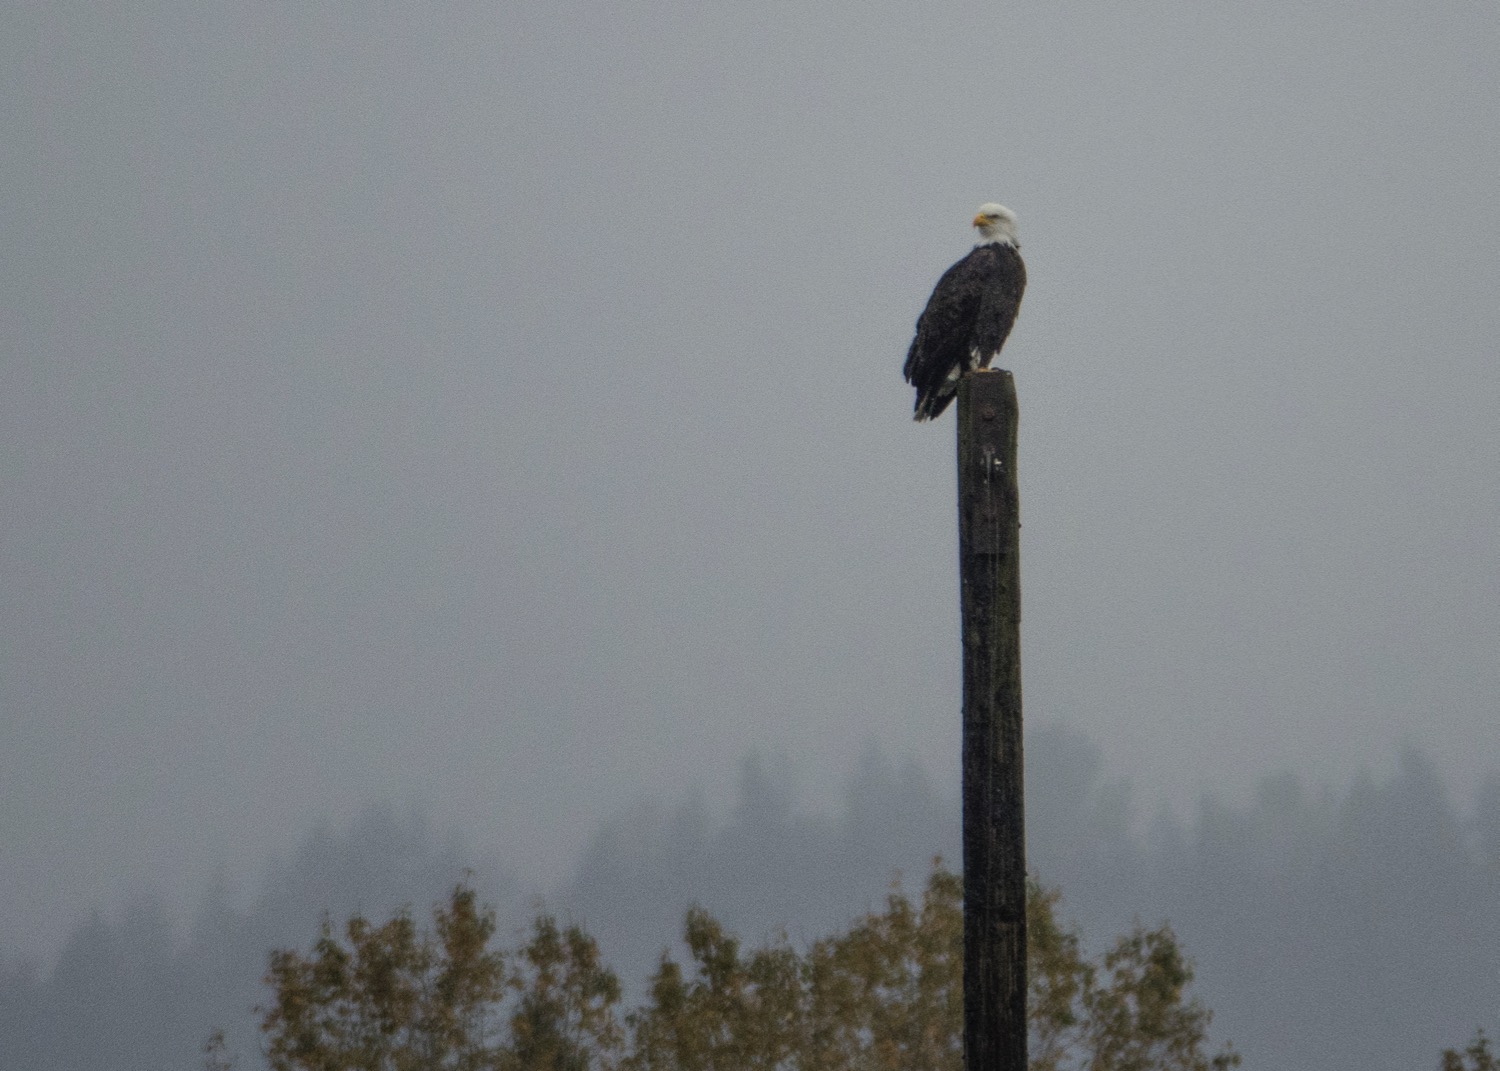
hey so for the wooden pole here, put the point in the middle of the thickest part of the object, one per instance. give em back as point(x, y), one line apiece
point(989, 532)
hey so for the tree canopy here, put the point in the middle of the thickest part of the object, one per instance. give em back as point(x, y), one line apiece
point(886, 993)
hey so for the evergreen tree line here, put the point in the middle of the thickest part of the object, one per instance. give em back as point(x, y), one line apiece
point(1349, 927)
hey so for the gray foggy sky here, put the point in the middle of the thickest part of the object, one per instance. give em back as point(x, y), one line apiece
point(498, 406)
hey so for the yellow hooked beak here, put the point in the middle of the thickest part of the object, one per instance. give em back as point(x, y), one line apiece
point(981, 219)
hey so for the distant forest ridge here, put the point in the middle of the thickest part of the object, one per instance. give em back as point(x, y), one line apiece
point(1349, 927)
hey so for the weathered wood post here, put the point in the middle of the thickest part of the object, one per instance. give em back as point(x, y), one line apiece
point(989, 532)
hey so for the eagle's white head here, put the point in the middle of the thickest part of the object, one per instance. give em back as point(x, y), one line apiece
point(996, 223)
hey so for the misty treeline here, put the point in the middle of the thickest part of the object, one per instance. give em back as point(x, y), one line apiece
point(1355, 926)
point(884, 995)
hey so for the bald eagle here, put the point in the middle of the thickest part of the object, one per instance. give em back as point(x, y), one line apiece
point(969, 314)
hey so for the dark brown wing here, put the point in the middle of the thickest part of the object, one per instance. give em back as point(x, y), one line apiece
point(965, 323)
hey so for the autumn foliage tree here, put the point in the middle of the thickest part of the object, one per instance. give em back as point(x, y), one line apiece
point(885, 994)
point(1477, 1057)
point(391, 998)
